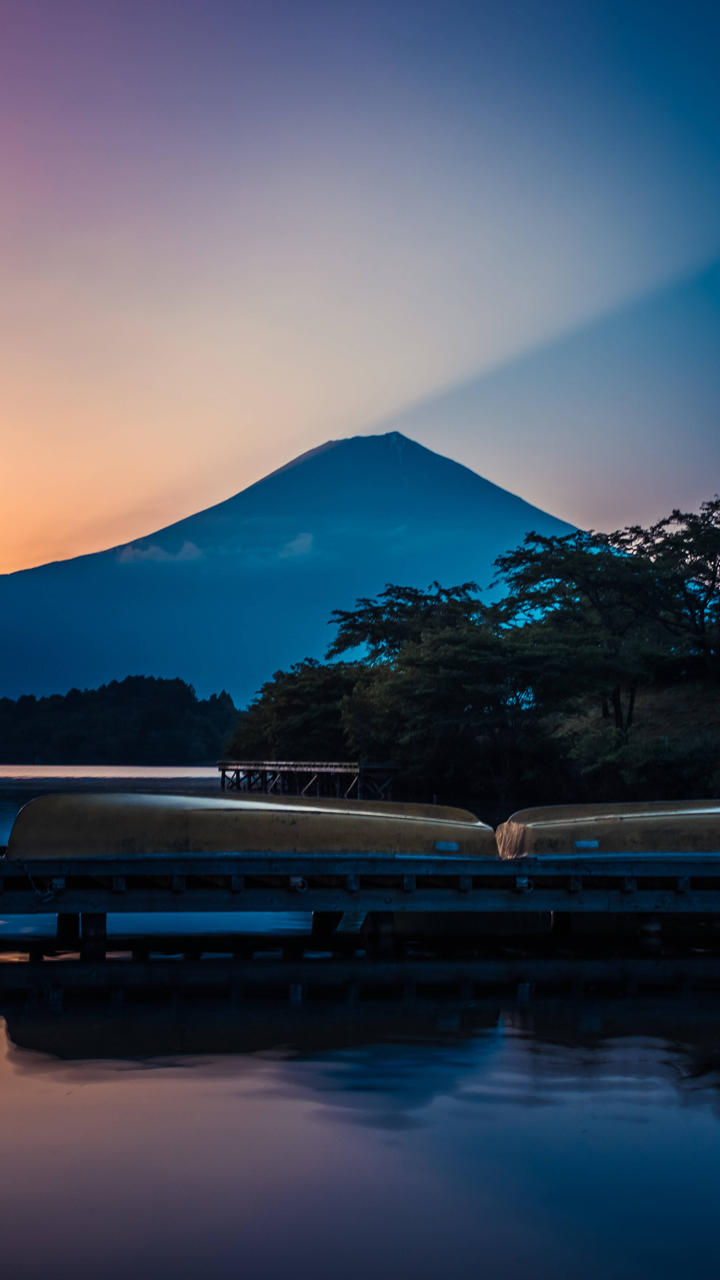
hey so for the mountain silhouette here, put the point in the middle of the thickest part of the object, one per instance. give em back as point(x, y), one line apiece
point(227, 596)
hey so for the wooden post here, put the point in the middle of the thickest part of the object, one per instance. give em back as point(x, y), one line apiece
point(325, 924)
point(379, 934)
point(94, 935)
point(68, 930)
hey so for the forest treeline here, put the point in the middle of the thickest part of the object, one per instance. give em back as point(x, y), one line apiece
point(139, 720)
point(596, 676)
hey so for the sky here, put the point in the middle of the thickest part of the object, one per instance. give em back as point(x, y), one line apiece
point(233, 229)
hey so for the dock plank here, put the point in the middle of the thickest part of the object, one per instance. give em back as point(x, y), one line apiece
point(651, 883)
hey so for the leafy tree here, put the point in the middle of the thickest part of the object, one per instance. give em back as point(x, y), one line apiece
point(456, 714)
point(583, 607)
point(398, 615)
point(297, 715)
point(683, 553)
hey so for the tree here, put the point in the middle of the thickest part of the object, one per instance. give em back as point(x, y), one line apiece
point(297, 715)
point(401, 614)
point(455, 713)
point(583, 604)
point(683, 552)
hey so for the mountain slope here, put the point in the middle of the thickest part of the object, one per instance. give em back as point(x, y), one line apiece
point(226, 596)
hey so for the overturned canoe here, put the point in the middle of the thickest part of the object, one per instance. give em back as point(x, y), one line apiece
point(676, 826)
point(92, 826)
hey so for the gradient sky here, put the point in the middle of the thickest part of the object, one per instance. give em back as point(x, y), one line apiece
point(232, 230)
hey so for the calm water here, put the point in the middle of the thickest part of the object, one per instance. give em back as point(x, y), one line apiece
point(201, 1139)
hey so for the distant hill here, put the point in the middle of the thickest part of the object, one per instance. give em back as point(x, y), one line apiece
point(227, 596)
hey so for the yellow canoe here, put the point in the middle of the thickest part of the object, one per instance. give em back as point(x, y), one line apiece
point(673, 826)
point(122, 825)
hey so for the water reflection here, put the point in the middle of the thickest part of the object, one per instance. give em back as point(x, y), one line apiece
point(184, 1133)
point(382, 1053)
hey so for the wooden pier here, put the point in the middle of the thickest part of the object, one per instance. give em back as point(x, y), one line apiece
point(340, 778)
point(452, 892)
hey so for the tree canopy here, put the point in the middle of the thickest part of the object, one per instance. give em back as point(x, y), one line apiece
point(297, 715)
point(584, 603)
point(682, 556)
point(399, 615)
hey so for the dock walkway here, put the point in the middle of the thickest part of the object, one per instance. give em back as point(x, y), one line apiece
point(343, 779)
point(81, 892)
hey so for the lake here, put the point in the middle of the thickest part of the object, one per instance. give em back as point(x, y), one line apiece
point(201, 1136)
point(192, 1138)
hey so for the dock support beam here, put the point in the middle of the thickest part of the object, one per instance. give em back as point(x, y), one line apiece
point(325, 923)
point(68, 930)
point(94, 935)
point(379, 935)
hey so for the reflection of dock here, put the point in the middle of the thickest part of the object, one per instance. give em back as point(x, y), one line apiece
point(128, 1009)
point(317, 978)
point(340, 778)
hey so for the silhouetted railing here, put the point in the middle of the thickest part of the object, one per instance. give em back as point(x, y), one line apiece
point(340, 778)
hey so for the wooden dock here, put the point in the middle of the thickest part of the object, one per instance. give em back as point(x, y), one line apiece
point(81, 892)
point(342, 779)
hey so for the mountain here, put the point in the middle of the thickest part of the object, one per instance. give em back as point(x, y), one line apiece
point(226, 597)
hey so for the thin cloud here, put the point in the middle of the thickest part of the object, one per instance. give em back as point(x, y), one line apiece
point(132, 554)
point(302, 545)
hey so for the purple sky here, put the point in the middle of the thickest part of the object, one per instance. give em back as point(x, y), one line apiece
point(232, 230)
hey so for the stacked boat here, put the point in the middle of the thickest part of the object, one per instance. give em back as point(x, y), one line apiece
point(125, 825)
